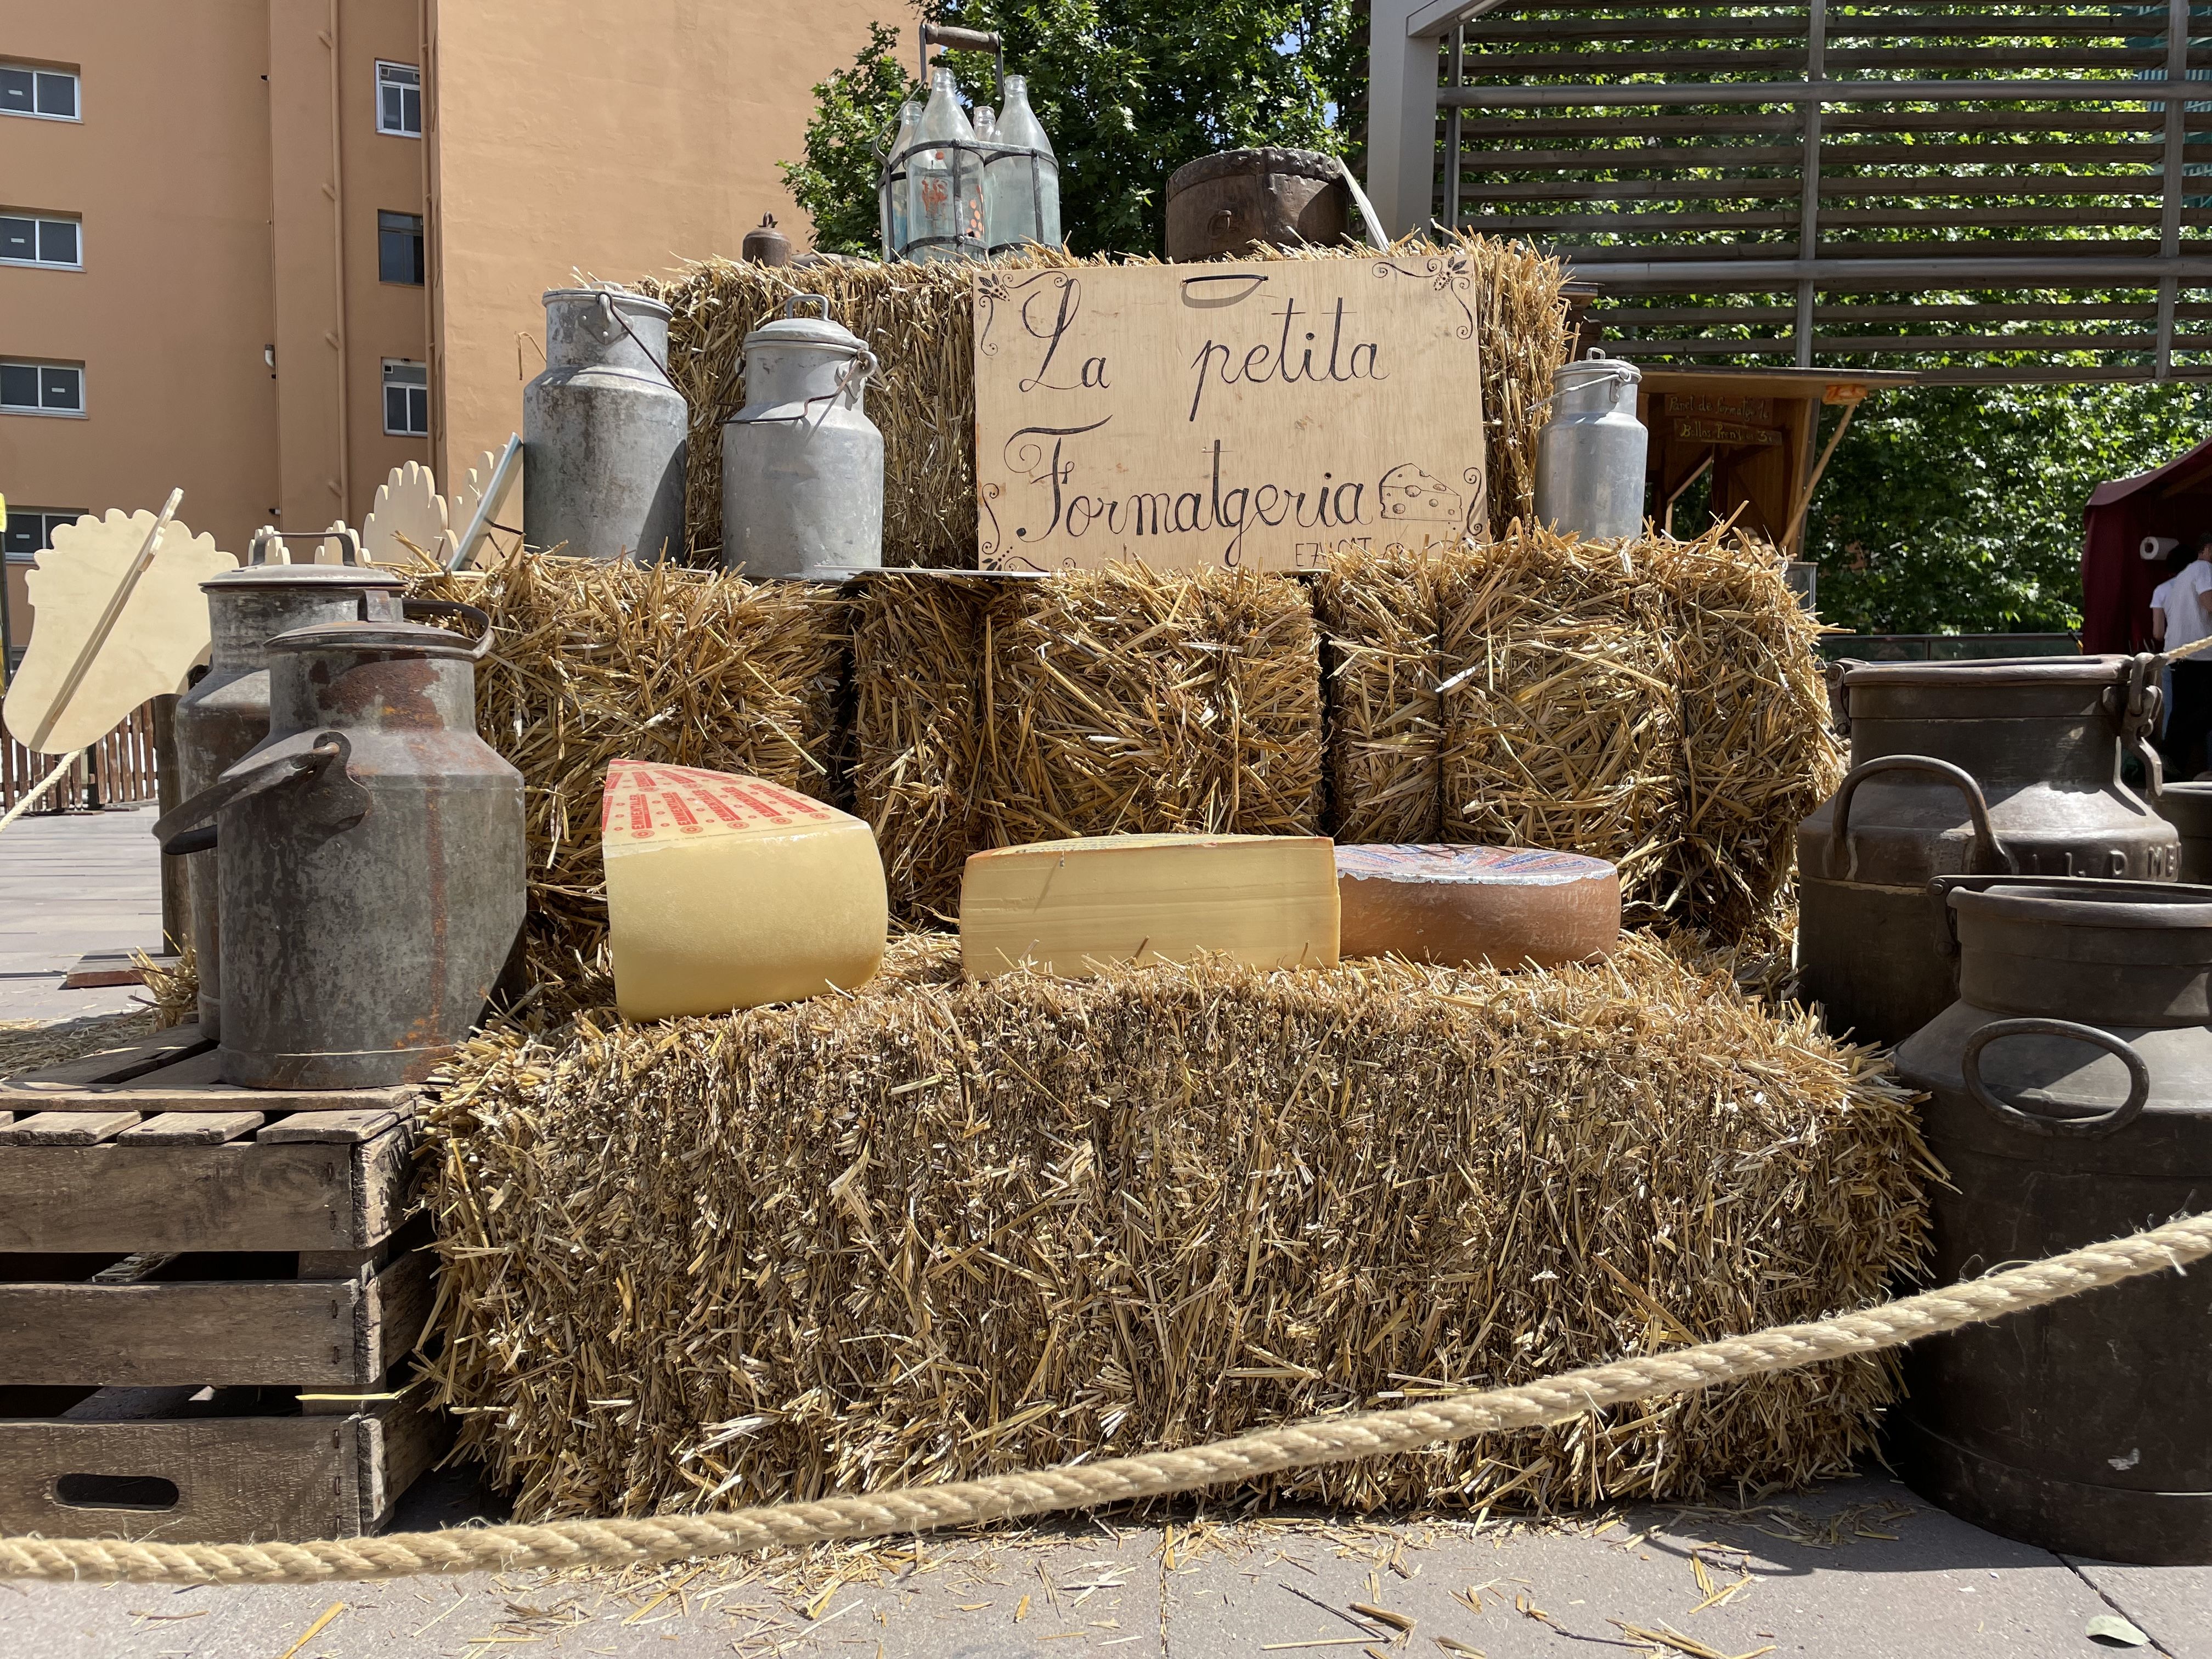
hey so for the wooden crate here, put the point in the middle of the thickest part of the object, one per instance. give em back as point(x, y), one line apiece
point(206, 1295)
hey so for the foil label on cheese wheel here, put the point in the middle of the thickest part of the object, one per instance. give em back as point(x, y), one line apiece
point(645, 803)
point(1505, 867)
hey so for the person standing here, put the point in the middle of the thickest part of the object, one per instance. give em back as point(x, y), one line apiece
point(2187, 612)
point(2176, 563)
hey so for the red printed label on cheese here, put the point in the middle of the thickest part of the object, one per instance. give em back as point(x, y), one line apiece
point(647, 803)
point(1517, 866)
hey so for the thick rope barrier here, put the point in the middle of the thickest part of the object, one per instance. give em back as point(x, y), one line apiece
point(1009, 1497)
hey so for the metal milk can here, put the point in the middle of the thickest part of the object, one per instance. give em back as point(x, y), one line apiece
point(802, 464)
point(1965, 768)
point(603, 431)
point(1590, 452)
point(2188, 808)
point(371, 859)
point(227, 713)
point(2070, 1100)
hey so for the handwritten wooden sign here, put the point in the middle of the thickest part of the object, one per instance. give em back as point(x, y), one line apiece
point(1229, 415)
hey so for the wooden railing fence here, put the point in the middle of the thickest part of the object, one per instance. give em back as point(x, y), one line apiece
point(119, 770)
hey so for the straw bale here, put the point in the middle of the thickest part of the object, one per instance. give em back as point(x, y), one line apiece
point(1126, 701)
point(932, 1230)
point(1561, 726)
point(1377, 611)
point(920, 321)
point(592, 661)
point(1758, 750)
point(918, 718)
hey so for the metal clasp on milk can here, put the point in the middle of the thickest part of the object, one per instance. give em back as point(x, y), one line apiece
point(2070, 1101)
point(802, 464)
point(1591, 454)
point(370, 856)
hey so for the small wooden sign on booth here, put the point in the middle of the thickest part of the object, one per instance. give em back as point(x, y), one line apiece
point(1756, 432)
point(1250, 415)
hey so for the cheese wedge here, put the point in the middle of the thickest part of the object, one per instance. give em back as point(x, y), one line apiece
point(1461, 906)
point(1072, 907)
point(726, 892)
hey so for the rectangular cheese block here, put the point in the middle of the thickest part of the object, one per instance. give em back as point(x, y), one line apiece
point(1071, 906)
point(725, 892)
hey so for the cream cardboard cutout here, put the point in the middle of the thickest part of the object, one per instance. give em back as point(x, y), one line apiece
point(156, 637)
point(488, 493)
point(407, 504)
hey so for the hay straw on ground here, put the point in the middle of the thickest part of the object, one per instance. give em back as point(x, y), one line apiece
point(593, 661)
point(1561, 724)
point(30, 1045)
point(935, 1231)
point(920, 321)
point(173, 987)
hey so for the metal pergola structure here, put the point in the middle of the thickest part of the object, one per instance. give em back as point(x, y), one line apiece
point(1983, 193)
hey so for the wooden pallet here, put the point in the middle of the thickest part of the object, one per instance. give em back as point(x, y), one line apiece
point(206, 1293)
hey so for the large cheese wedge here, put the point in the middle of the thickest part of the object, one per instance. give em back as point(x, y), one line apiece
point(1071, 906)
point(726, 892)
point(1460, 906)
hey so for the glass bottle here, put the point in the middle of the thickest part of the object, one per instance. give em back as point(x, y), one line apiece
point(987, 132)
point(894, 203)
point(945, 187)
point(1027, 182)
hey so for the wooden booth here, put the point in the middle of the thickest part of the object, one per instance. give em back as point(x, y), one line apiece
point(1756, 432)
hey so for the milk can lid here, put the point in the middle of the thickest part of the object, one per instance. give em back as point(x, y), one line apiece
point(791, 329)
point(419, 637)
point(306, 575)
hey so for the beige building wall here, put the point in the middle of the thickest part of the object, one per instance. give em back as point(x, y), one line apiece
point(648, 134)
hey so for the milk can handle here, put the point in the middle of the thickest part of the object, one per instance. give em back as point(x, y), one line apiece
point(1992, 850)
point(348, 541)
point(2104, 1123)
point(174, 828)
point(453, 608)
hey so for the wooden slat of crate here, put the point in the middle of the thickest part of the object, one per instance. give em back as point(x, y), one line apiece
point(110, 1065)
point(294, 1333)
point(173, 1072)
point(243, 1196)
point(66, 1128)
point(238, 1480)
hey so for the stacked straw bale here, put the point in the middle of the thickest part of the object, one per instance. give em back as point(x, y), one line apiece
point(591, 662)
point(932, 1230)
point(920, 321)
point(1657, 703)
point(991, 714)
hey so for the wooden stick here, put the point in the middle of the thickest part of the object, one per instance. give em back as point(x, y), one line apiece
point(1814, 483)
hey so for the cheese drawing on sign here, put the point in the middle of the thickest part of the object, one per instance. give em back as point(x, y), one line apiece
point(727, 891)
point(1071, 906)
point(102, 640)
point(1460, 907)
point(1408, 493)
point(407, 504)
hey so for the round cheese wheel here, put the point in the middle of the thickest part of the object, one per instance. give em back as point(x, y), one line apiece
point(1511, 907)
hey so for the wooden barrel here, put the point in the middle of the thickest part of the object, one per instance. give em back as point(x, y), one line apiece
point(1221, 205)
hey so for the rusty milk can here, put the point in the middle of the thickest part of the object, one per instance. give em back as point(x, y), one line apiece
point(1968, 769)
point(2070, 1099)
point(227, 713)
point(371, 859)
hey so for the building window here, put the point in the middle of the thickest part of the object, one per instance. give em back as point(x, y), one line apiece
point(399, 99)
point(30, 530)
point(406, 398)
point(25, 241)
point(398, 247)
point(37, 92)
point(42, 388)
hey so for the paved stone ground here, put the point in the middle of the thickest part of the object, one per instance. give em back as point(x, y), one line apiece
point(70, 884)
point(1860, 1569)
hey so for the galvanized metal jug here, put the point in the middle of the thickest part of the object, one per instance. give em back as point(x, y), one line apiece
point(371, 859)
point(603, 431)
point(1591, 454)
point(1966, 768)
point(227, 713)
point(2070, 1099)
point(802, 464)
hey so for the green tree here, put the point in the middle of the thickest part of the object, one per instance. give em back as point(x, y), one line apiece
point(1129, 90)
point(1957, 509)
